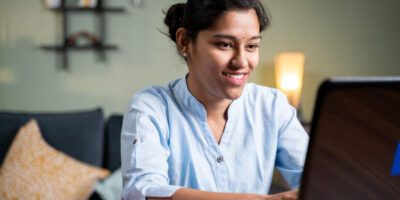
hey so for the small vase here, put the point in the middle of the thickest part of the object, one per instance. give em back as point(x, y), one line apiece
point(52, 4)
point(88, 3)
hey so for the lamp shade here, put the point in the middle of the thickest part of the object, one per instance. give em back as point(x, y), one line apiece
point(289, 69)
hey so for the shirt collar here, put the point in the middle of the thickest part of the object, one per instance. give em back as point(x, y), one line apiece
point(185, 98)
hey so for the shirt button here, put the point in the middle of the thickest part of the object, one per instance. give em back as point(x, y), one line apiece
point(220, 159)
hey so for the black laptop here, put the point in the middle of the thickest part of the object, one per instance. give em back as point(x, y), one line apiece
point(354, 149)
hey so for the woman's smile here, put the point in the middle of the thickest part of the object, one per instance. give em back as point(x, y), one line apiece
point(236, 79)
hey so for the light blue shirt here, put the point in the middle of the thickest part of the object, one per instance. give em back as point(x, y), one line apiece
point(167, 144)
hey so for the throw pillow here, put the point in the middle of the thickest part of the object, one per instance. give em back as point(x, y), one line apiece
point(34, 170)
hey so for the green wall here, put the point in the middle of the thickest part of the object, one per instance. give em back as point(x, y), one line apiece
point(339, 38)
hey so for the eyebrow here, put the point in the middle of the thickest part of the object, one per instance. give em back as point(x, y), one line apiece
point(233, 37)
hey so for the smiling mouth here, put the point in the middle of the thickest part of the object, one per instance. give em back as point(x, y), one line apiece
point(235, 78)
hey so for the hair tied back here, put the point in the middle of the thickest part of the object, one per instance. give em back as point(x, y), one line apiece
point(174, 19)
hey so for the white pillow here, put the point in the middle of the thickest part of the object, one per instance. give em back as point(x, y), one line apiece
point(111, 187)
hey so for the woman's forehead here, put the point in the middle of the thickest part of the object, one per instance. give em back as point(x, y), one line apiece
point(240, 24)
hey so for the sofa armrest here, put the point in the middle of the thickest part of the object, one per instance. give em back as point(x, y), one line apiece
point(112, 157)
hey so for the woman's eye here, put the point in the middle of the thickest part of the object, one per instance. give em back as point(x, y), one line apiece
point(253, 46)
point(224, 45)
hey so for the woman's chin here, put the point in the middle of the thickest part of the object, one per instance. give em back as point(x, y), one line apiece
point(234, 93)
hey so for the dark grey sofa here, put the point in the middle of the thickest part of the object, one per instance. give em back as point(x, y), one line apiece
point(84, 135)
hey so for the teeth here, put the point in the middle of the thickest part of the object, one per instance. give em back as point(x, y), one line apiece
point(235, 76)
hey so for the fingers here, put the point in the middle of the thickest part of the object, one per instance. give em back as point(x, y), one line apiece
point(289, 195)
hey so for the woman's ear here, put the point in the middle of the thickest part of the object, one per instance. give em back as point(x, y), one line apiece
point(182, 41)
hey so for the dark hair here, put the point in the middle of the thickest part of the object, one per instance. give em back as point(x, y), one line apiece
point(197, 15)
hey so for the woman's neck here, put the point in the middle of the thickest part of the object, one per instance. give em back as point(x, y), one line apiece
point(217, 110)
point(216, 107)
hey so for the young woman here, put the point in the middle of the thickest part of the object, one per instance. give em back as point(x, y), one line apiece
point(210, 135)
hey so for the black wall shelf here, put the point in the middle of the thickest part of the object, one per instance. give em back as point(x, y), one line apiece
point(64, 46)
point(98, 9)
point(79, 47)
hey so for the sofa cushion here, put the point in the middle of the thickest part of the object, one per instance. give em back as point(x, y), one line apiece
point(78, 134)
point(33, 169)
point(113, 142)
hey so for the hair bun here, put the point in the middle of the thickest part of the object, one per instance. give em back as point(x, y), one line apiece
point(173, 19)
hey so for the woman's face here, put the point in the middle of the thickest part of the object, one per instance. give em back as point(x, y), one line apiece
point(223, 56)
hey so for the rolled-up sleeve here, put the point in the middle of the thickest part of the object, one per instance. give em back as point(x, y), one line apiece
point(144, 151)
point(292, 143)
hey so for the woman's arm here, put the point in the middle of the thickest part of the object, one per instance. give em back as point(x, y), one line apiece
point(292, 143)
point(184, 194)
point(144, 148)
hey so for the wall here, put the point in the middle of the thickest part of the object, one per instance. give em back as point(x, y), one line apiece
point(340, 38)
point(35, 82)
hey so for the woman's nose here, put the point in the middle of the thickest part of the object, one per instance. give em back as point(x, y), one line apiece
point(239, 59)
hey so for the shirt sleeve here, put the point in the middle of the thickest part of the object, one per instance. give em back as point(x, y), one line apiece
point(292, 143)
point(144, 151)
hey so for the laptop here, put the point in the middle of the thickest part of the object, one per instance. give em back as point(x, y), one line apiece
point(354, 149)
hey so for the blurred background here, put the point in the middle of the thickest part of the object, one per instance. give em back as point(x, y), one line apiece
point(336, 38)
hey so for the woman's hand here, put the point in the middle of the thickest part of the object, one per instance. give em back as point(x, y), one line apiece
point(185, 193)
point(289, 195)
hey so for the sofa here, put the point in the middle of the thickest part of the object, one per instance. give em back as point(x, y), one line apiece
point(84, 135)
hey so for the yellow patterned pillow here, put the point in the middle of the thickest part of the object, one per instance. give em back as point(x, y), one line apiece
point(34, 170)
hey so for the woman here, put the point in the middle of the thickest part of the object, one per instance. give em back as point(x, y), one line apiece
point(210, 135)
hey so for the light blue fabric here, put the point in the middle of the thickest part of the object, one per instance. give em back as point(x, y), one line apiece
point(111, 187)
point(166, 143)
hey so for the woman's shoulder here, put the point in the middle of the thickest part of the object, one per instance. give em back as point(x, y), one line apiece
point(152, 96)
point(255, 91)
point(270, 100)
point(154, 92)
point(146, 100)
point(151, 92)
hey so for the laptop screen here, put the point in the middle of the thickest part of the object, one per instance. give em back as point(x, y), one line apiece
point(354, 138)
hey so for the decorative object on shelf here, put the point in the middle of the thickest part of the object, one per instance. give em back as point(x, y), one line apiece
point(96, 41)
point(289, 70)
point(72, 40)
point(53, 4)
point(88, 3)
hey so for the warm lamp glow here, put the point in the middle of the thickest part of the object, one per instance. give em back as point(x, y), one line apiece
point(289, 68)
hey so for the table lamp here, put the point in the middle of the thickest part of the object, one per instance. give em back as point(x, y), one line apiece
point(289, 69)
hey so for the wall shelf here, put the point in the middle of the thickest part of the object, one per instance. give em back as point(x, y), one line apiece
point(98, 9)
point(79, 47)
point(64, 46)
